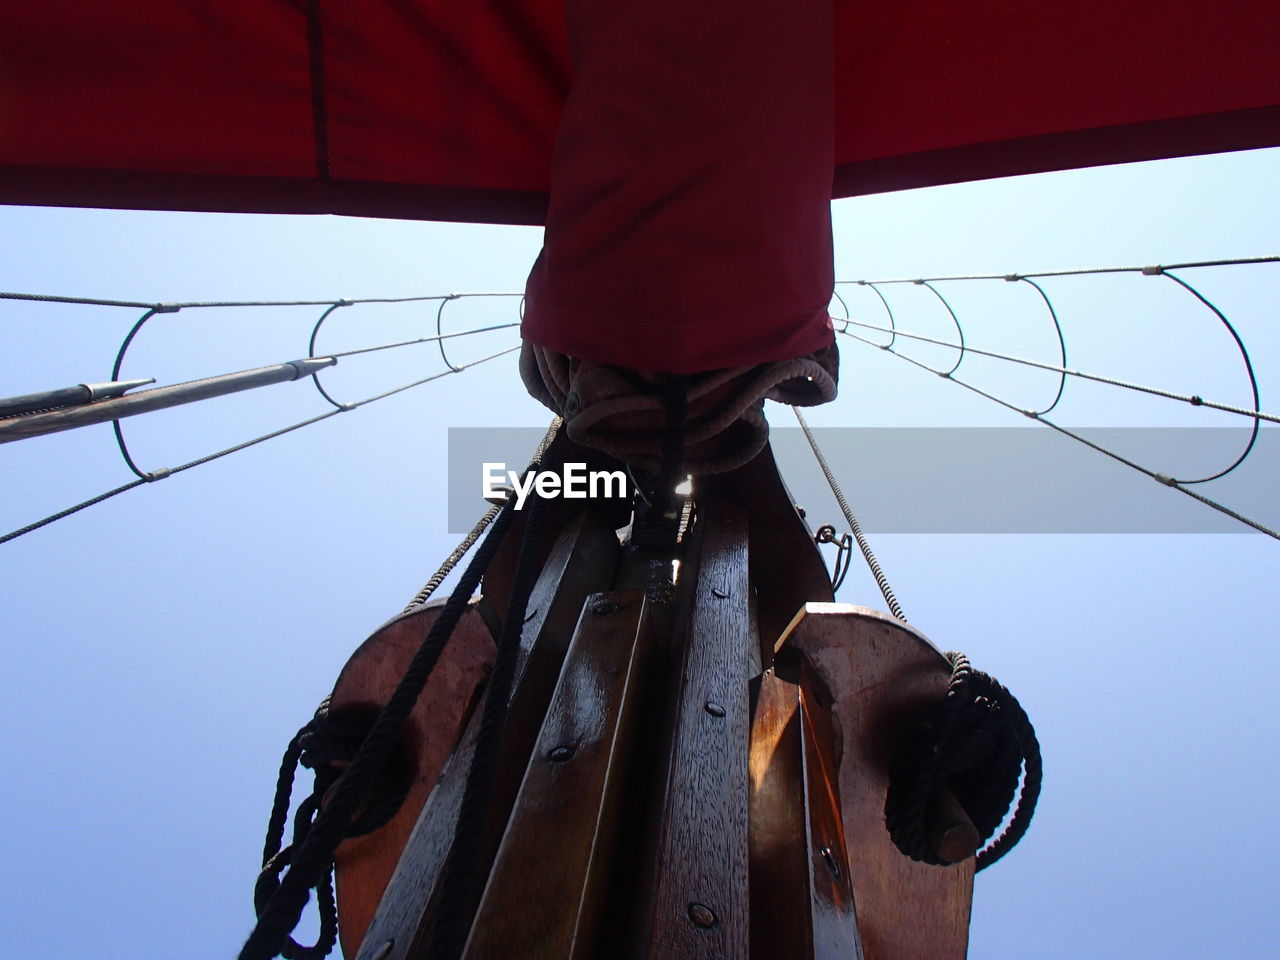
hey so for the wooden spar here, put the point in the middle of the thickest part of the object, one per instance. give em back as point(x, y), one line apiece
point(671, 790)
point(119, 407)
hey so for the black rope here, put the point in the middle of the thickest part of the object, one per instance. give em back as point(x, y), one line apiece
point(327, 740)
point(462, 880)
point(463, 548)
point(979, 743)
point(313, 856)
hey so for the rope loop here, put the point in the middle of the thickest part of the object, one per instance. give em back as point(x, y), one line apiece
point(978, 742)
point(326, 744)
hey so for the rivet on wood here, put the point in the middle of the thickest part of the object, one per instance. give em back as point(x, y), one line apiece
point(383, 951)
point(561, 754)
point(713, 708)
point(702, 916)
point(832, 863)
point(604, 609)
point(719, 594)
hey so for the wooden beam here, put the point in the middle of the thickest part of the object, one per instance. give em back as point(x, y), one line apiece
point(700, 898)
point(801, 897)
point(548, 888)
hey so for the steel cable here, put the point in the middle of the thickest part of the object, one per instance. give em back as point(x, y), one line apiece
point(882, 581)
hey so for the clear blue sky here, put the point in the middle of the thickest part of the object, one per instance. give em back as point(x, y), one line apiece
point(164, 646)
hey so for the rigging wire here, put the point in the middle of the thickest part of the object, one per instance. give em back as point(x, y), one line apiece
point(1150, 270)
point(1063, 371)
point(882, 581)
point(197, 304)
point(460, 551)
point(1160, 477)
point(1195, 401)
point(164, 472)
point(1256, 414)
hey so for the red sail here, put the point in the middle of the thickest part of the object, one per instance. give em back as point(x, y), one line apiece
point(443, 109)
point(451, 109)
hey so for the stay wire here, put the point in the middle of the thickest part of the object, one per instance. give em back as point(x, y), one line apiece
point(162, 473)
point(461, 550)
point(882, 581)
point(1159, 477)
point(1149, 270)
point(1194, 400)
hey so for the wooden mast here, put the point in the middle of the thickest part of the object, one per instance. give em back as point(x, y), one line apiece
point(694, 765)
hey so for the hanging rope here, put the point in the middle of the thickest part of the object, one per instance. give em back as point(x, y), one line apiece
point(462, 873)
point(359, 740)
point(855, 528)
point(313, 857)
point(979, 743)
point(325, 741)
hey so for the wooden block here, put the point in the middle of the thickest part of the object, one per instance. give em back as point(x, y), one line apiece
point(699, 906)
point(581, 562)
point(364, 864)
point(802, 902)
point(548, 886)
point(881, 674)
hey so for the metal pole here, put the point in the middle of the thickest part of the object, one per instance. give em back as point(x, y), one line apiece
point(67, 396)
point(53, 421)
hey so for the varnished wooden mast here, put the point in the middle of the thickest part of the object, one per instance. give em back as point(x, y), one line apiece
point(670, 790)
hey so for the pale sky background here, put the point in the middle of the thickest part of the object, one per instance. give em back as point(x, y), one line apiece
point(162, 647)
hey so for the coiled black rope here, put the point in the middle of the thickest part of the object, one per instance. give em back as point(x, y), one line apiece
point(328, 739)
point(980, 743)
point(312, 857)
